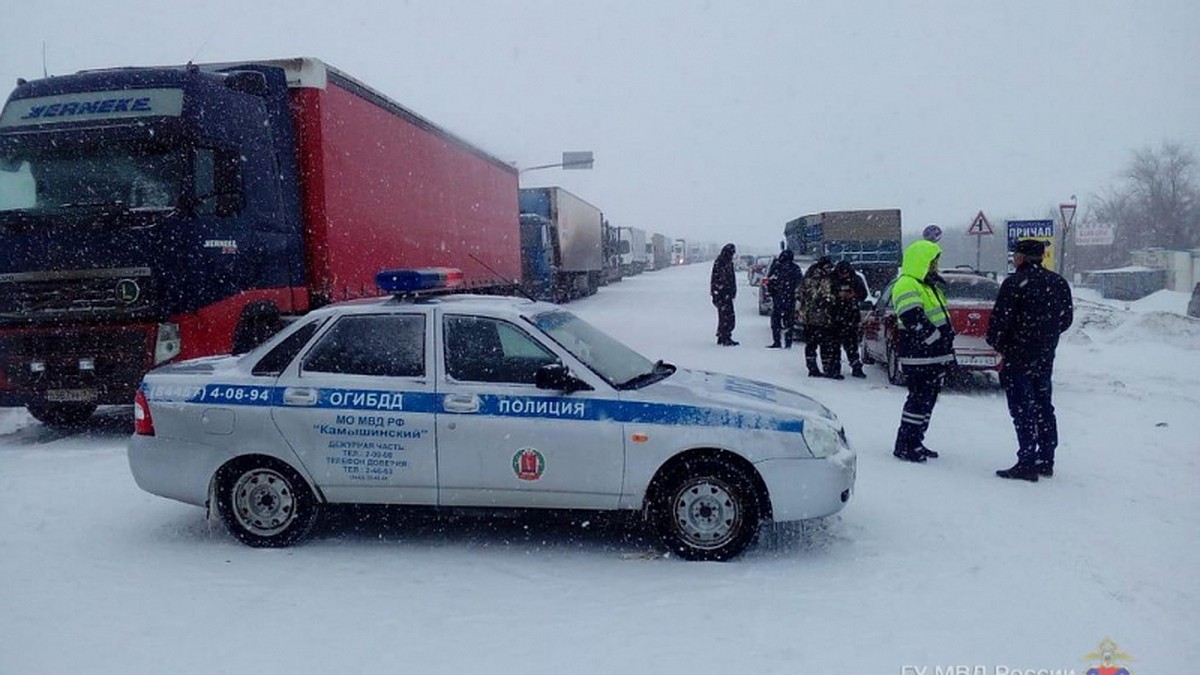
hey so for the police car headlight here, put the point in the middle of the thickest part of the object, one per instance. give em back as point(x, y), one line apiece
point(822, 439)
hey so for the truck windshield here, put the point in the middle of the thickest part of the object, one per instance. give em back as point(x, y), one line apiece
point(599, 351)
point(62, 177)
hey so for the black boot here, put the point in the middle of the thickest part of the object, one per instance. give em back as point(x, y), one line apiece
point(927, 452)
point(913, 456)
point(857, 371)
point(813, 372)
point(773, 345)
point(1020, 471)
point(1045, 469)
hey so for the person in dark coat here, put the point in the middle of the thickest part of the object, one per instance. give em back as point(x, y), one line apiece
point(1032, 310)
point(723, 288)
point(782, 281)
point(816, 304)
point(846, 318)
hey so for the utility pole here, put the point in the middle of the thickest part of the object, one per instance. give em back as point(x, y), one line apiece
point(1066, 211)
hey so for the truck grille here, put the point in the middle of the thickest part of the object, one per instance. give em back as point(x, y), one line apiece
point(77, 295)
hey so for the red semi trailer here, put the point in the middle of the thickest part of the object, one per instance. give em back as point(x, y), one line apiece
point(160, 213)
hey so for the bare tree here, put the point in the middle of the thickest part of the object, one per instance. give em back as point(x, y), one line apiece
point(1156, 204)
point(1163, 187)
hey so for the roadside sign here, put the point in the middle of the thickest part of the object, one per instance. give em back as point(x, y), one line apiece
point(1095, 234)
point(1042, 230)
point(1029, 229)
point(980, 225)
point(577, 160)
point(1066, 210)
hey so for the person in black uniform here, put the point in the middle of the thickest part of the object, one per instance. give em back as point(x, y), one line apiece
point(723, 288)
point(848, 293)
point(782, 281)
point(1032, 310)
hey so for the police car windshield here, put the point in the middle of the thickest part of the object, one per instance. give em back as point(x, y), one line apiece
point(610, 359)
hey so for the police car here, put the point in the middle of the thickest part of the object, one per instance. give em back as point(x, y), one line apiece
point(480, 401)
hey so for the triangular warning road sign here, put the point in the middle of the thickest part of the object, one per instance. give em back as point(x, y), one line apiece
point(980, 225)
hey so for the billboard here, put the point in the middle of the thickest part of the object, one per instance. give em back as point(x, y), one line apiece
point(1095, 234)
point(1042, 230)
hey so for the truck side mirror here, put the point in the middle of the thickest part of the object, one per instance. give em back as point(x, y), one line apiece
point(557, 377)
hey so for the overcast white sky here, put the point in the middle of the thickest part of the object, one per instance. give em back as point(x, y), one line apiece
point(720, 120)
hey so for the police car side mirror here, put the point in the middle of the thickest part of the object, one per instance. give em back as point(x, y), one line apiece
point(558, 377)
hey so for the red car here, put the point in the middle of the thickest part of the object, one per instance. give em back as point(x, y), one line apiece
point(970, 298)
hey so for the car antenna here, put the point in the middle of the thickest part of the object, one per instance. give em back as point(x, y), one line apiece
point(496, 274)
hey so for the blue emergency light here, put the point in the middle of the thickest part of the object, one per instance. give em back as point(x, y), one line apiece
point(401, 282)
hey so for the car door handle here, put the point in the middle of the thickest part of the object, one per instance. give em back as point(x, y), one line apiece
point(299, 396)
point(461, 403)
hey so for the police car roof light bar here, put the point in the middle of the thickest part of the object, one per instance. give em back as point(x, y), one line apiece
point(412, 281)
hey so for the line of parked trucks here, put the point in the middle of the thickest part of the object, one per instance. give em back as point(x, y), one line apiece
point(153, 214)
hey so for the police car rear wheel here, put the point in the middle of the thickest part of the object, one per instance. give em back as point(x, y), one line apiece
point(710, 513)
point(266, 505)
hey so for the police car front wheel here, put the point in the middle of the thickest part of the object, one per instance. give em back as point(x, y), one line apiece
point(709, 512)
point(266, 504)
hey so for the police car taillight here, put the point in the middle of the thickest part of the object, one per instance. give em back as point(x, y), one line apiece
point(415, 280)
point(142, 424)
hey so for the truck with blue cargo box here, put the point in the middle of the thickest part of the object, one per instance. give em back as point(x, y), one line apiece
point(157, 214)
point(867, 239)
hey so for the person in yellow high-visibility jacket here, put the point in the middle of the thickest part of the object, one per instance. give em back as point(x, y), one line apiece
point(925, 345)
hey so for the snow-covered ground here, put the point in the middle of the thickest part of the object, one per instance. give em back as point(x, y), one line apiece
point(934, 565)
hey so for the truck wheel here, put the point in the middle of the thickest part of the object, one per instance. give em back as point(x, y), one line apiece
point(65, 415)
point(894, 372)
point(708, 510)
point(265, 503)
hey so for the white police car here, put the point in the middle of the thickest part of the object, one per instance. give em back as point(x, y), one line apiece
point(480, 401)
